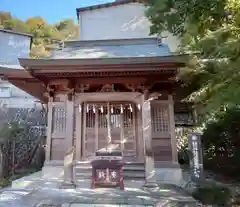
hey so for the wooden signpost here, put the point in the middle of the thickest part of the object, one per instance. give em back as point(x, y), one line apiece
point(196, 163)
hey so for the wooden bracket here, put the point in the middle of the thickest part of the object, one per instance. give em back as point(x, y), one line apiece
point(64, 85)
point(108, 88)
point(50, 91)
point(83, 87)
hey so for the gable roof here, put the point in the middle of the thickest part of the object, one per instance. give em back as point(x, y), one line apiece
point(100, 6)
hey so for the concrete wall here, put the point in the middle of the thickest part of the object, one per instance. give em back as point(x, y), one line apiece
point(12, 47)
point(119, 22)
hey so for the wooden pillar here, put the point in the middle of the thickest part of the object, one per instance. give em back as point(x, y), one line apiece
point(78, 146)
point(70, 151)
point(109, 125)
point(172, 129)
point(84, 111)
point(96, 127)
point(49, 131)
point(147, 137)
point(69, 124)
point(139, 137)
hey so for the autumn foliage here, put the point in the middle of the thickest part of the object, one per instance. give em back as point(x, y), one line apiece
point(45, 36)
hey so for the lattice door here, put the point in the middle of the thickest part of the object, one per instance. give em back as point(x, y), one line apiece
point(102, 119)
point(59, 120)
point(89, 142)
point(110, 125)
point(160, 120)
point(129, 131)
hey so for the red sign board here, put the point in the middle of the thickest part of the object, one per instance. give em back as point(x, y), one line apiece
point(107, 173)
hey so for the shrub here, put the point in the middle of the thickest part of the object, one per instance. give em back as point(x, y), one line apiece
point(213, 195)
point(221, 143)
point(4, 183)
point(184, 156)
point(14, 177)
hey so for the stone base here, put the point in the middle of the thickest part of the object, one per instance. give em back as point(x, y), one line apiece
point(169, 175)
point(151, 185)
point(67, 185)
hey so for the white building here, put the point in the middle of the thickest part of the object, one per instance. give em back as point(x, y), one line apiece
point(122, 19)
point(14, 45)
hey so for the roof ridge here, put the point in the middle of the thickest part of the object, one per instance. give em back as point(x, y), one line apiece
point(109, 42)
point(100, 6)
point(14, 32)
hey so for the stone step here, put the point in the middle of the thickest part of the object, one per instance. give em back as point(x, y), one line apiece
point(125, 163)
point(125, 168)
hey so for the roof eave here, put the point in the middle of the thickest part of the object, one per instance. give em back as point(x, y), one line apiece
point(21, 79)
point(28, 63)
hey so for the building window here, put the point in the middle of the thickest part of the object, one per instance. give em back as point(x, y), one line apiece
point(5, 92)
point(4, 89)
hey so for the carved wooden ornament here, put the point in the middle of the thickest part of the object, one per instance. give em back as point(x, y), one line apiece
point(108, 88)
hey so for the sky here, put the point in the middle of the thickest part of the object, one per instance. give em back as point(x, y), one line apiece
point(51, 10)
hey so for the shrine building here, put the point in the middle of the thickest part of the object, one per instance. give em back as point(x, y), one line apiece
point(114, 89)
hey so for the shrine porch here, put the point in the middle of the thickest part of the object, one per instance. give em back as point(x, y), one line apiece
point(82, 124)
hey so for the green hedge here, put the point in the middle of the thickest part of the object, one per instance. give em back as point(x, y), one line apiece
point(4, 183)
point(213, 195)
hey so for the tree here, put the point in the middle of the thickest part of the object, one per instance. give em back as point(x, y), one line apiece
point(186, 16)
point(5, 16)
point(16, 25)
point(210, 28)
point(68, 29)
point(36, 22)
point(222, 144)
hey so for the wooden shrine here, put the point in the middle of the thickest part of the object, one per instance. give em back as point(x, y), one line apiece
point(126, 103)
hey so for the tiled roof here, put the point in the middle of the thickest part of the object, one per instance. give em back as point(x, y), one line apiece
point(146, 47)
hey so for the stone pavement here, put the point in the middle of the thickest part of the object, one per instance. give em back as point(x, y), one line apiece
point(35, 191)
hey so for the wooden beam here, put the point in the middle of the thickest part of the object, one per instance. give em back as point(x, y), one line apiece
point(35, 89)
point(106, 67)
point(73, 75)
point(29, 80)
point(110, 80)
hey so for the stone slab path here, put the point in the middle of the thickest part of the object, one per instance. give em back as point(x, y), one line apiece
point(46, 197)
point(35, 191)
point(98, 205)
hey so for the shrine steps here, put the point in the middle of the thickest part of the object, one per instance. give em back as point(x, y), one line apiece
point(131, 170)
